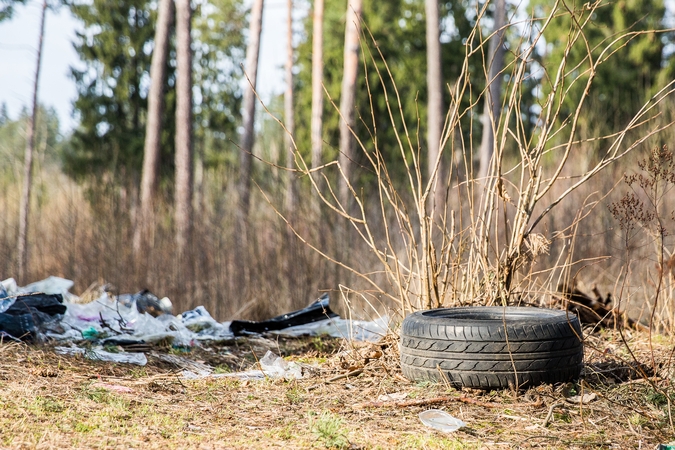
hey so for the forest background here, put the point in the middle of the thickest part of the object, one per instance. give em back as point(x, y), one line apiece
point(222, 221)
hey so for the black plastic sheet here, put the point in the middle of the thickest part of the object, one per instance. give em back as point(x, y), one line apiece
point(319, 310)
point(29, 312)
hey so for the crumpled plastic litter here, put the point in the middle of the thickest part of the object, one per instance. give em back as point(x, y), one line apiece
point(106, 317)
point(441, 420)
point(146, 301)
point(50, 285)
point(99, 354)
point(271, 366)
point(354, 330)
point(8, 286)
point(199, 321)
point(318, 310)
point(24, 315)
point(125, 320)
point(393, 397)
point(582, 399)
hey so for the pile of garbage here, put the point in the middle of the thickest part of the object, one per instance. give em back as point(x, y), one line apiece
point(46, 310)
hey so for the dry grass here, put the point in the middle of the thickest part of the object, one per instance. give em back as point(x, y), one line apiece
point(52, 401)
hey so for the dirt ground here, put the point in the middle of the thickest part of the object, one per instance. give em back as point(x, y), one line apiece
point(350, 396)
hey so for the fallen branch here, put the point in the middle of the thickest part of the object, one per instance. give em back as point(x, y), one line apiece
point(436, 401)
point(353, 373)
point(549, 416)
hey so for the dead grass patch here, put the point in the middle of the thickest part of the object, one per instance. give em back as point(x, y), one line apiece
point(54, 401)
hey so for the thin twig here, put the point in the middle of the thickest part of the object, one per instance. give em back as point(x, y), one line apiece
point(550, 413)
point(437, 401)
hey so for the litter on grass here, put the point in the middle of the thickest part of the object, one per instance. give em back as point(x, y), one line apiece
point(271, 366)
point(98, 354)
point(440, 420)
point(46, 310)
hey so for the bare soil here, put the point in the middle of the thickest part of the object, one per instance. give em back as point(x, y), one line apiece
point(54, 401)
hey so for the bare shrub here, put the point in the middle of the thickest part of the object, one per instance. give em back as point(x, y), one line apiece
point(480, 246)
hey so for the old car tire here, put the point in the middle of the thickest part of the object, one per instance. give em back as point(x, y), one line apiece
point(471, 347)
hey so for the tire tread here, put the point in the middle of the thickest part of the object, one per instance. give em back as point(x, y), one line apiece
point(544, 348)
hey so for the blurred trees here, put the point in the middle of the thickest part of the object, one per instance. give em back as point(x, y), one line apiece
point(628, 78)
point(435, 114)
point(7, 8)
point(153, 127)
point(24, 209)
point(13, 142)
point(316, 125)
point(117, 40)
point(115, 47)
point(184, 157)
point(399, 28)
point(219, 50)
point(493, 104)
point(114, 77)
point(247, 140)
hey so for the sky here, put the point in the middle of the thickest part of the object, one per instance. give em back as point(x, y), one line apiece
point(18, 49)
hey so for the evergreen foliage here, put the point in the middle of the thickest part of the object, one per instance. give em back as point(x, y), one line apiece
point(633, 71)
point(7, 8)
point(219, 52)
point(398, 29)
point(48, 142)
point(115, 46)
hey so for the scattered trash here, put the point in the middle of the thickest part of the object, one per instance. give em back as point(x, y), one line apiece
point(393, 397)
point(582, 399)
point(146, 301)
point(98, 354)
point(353, 330)
point(50, 285)
point(271, 366)
point(5, 300)
point(91, 334)
point(440, 420)
point(47, 310)
point(317, 311)
point(8, 286)
point(670, 446)
point(21, 316)
point(106, 317)
point(199, 321)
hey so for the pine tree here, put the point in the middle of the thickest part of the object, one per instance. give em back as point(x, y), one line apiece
point(492, 102)
point(114, 47)
point(183, 185)
point(7, 8)
point(399, 29)
point(24, 210)
point(628, 77)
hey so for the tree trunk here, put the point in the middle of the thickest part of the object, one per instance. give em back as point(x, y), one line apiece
point(153, 128)
point(252, 53)
point(245, 165)
point(492, 108)
point(434, 103)
point(317, 85)
point(291, 189)
point(183, 187)
point(348, 98)
point(24, 210)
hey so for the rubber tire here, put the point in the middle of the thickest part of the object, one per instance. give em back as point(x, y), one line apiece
point(469, 346)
